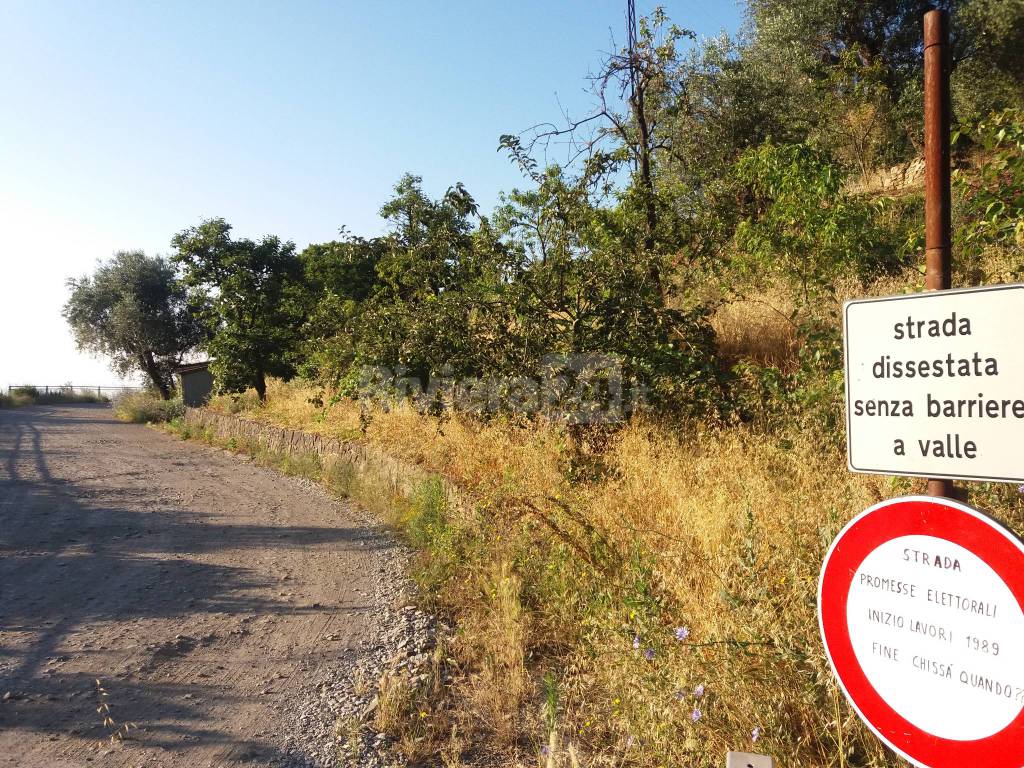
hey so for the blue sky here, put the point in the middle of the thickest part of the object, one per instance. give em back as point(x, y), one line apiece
point(124, 123)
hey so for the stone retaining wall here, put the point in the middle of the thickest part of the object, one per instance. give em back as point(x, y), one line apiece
point(401, 477)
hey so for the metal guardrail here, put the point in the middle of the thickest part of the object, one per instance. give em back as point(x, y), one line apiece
point(46, 389)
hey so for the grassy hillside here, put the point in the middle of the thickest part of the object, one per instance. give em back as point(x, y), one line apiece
point(643, 596)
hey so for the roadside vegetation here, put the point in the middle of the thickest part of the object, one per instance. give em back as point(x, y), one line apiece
point(147, 407)
point(633, 366)
point(644, 598)
point(29, 395)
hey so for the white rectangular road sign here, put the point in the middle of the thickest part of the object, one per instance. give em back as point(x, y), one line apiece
point(935, 384)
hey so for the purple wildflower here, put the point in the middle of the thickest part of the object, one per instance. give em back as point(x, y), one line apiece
point(695, 715)
point(545, 750)
point(636, 642)
point(649, 654)
point(698, 691)
point(755, 734)
point(682, 633)
point(1020, 490)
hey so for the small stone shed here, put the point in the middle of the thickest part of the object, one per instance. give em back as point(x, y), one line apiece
point(195, 382)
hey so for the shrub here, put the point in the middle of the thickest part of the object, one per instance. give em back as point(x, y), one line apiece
point(801, 228)
point(147, 408)
point(990, 236)
point(238, 402)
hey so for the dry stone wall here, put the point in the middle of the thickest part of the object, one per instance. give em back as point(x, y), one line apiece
point(402, 478)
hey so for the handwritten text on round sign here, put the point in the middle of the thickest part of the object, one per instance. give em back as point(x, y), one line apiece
point(920, 608)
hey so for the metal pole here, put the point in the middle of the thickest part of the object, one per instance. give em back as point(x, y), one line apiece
point(937, 195)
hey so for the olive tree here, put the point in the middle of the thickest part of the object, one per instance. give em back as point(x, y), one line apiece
point(133, 310)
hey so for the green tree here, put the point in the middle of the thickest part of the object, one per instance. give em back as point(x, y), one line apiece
point(133, 310)
point(854, 68)
point(991, 67)
point(248, 296)
point(338, 277)
point(800, 225)
point(990, 232)
point(636, 92)
point(584, 283)
point(430, 305)
point(608, 243)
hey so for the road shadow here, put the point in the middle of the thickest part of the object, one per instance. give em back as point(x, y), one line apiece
point(75, 554)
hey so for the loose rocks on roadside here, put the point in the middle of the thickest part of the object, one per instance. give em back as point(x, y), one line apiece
point(333, 725)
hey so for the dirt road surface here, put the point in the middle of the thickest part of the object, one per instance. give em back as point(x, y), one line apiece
point(201, 590)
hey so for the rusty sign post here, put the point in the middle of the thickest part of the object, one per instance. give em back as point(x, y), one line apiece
point(907, 600)
point(938, 237)
point(937, 194)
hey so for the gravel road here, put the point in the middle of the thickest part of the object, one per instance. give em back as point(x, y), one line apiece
point(207, 595)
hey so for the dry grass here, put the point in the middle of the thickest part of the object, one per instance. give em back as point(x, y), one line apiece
point(721, 532)
point(494, 644)
point(146, 408)
point(483, 457)
point(760, 329)
point(569, 579)
point(394, 698)
point(738, 525)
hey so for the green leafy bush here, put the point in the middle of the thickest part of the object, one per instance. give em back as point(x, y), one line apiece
point(991, 211)
point(801, 227)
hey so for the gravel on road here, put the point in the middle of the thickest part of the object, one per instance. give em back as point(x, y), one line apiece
point(226, 610)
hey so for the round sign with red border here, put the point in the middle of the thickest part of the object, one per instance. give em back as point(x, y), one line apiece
point(920, 609)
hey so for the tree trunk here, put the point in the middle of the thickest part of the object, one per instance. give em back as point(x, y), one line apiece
point(638, 105)
point(155, 375)
point(646, 179)
point(260, 384)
